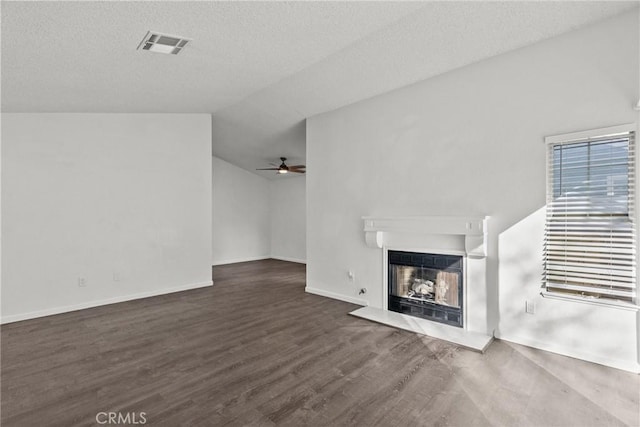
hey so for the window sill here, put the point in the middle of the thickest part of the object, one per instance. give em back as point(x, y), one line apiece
point(592, 301)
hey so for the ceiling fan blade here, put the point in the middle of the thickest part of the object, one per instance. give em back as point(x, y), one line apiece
point(297, 167)
point(268, 169)
point(296, 170)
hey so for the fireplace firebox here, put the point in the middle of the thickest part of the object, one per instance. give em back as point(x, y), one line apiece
point(426, 285)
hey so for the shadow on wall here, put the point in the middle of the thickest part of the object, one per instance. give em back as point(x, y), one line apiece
point(572, 327)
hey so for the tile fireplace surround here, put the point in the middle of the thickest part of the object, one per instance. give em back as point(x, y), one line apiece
point(464, 236)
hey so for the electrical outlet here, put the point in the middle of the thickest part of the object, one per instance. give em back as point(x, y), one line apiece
point(82, 282)
point(530, 307)
point(351, 275)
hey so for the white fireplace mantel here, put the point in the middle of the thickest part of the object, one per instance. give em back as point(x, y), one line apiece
point(473, 228)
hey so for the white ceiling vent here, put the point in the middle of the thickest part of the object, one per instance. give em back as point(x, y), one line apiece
point(163, 43)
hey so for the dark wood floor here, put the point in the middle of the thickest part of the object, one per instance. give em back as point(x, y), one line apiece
point(254, 349)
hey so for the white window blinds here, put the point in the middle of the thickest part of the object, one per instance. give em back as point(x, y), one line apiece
point(590, 236)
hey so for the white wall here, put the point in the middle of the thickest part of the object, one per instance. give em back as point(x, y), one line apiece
point(471, 142)
point(241, 219)
point(120, 200)
point(288, 218)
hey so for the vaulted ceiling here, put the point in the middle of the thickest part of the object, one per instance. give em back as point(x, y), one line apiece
point(260, 68)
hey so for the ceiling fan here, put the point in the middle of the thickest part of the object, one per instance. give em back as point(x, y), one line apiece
point(283, 168)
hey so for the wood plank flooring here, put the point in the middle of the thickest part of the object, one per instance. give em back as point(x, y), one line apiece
point(255, 349)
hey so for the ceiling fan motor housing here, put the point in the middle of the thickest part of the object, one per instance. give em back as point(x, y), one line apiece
point(283, 168)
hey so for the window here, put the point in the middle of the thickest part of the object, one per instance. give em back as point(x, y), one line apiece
point(590, 238)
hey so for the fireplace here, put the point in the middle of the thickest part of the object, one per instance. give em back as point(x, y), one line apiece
point(463, 320)
point(426, 285)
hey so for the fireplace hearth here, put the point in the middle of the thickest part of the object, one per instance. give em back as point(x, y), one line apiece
point(426, 285)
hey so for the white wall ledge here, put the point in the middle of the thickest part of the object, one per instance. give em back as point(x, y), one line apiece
point(473, 228)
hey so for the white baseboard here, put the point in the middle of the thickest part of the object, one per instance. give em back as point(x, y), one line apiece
point(89, 304)
point(284, 258)
point(625, 365)
point(334, 295)
point(237, 260)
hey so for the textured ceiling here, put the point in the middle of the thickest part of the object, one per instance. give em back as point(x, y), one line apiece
point(260, 68)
